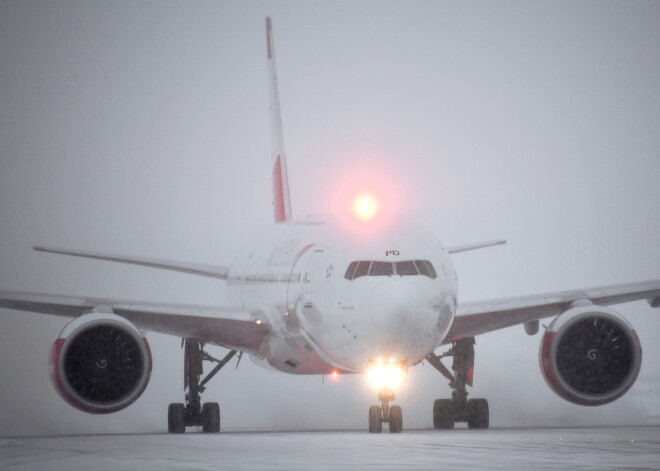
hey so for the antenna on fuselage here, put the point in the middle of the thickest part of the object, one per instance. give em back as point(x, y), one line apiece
point(281, 197)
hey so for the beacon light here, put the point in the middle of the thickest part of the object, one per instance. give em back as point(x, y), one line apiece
point(365, 206)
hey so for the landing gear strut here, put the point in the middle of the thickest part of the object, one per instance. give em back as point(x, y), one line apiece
point(385, 413)
point(193, 413)
point(446, 412)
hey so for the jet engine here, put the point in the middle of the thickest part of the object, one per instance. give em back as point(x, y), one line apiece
point(590, 355)
point(100, 363)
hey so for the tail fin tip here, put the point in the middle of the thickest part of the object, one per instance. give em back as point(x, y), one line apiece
point(281, 196)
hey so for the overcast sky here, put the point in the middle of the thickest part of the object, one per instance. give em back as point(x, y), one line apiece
point(142, 128)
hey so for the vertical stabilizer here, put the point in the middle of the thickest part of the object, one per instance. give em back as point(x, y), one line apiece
point(281, 198)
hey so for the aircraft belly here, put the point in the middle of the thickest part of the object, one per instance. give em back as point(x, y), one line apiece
point(293, 355)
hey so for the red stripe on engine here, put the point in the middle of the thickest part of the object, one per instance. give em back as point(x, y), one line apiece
point(54, 370)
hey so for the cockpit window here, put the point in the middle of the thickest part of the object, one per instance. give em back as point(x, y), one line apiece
point(406, 268)
point(361, 268)
point(350, 271)
point(422, 268)
point(381, 269)
point(434, 275)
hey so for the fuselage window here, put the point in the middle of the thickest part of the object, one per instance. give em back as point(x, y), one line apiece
point(362, 269)
point(406, 268)
point(381, 269)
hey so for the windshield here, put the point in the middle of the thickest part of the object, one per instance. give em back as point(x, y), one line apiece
point(361, 268)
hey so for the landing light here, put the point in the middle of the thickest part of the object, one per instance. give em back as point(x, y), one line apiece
point(386, 374)
point(365, 206)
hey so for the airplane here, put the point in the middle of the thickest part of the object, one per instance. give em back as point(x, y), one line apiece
point(369, 291)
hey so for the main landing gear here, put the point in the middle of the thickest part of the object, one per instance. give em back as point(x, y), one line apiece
point(193, 413)
point(446, 412)
point(385, 413)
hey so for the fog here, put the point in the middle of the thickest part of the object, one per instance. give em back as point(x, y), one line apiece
point(142, 128)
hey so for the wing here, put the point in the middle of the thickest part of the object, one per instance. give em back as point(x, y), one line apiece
point(238, 329)
point(478, 245)
point(190, 268)
point(486, 316)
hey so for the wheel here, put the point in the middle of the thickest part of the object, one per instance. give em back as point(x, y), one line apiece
point(396, 419)
point(211, 417)
point(176, 414)
point(375, 419)
point(443, 413)
point(478, 413)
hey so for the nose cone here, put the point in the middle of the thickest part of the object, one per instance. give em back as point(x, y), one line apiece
point(404, 329)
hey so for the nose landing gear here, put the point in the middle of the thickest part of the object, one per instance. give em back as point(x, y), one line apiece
point(446, 412)
point(385, 413)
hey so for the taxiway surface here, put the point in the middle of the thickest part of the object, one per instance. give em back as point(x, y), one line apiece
point(567, 448)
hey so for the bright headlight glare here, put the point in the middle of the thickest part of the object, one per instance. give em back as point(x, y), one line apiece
point(386, 375)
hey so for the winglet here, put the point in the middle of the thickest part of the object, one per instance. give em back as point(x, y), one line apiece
point(281, 197)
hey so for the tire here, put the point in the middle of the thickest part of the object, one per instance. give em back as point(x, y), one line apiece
point(443, 414)
point(375, 419)
point(211, 417)
point(396, 419)
point(176, 416)
point(478, 413)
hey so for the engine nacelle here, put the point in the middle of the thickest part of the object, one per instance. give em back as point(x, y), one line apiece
point(100, 363)
point(590, 355)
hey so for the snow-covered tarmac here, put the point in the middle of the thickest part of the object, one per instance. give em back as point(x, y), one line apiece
point(571, 448)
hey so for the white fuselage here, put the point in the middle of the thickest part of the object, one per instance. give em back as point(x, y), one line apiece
point(324, 319)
